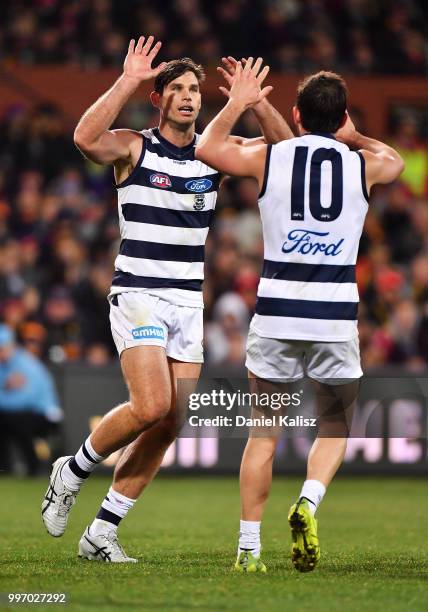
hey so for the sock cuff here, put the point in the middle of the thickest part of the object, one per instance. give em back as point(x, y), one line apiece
point(316, 483)
point(253, 526)
point(90, 449)
point(120, 497)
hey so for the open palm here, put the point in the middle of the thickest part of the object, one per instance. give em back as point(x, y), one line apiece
point(138, 62)
point(229, 71)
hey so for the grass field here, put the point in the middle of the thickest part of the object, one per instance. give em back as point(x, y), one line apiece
point(184, 530)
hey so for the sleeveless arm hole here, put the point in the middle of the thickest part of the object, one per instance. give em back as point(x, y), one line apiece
point(266, 174)
point(363, 176)
point(129, 179)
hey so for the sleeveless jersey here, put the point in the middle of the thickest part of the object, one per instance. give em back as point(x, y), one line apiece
point(313, 204)
point(165, 210)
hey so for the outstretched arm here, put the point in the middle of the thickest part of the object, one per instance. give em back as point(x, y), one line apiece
point(92, 135)
point(383, 163)
point(216, 148)
point(272, 124)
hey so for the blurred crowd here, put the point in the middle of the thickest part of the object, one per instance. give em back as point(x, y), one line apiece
point(59, 236)
point(356, 36)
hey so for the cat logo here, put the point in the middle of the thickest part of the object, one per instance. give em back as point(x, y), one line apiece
point(199, 201)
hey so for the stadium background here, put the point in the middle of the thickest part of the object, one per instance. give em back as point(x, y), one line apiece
point(58, 239)
point(58, 229)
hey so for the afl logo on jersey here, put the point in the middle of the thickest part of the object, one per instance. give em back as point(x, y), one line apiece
point(160, 180)
point(198, 185)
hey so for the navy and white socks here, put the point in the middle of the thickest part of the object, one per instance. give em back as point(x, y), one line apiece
point(77, 470)
point(114, 508)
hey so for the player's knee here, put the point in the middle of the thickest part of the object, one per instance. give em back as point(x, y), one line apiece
point(149, 411)
point(262, 447)
point(268, 447)
point(168, 431)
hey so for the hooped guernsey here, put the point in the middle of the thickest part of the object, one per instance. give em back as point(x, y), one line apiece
point(313, 205)
point(165, 207)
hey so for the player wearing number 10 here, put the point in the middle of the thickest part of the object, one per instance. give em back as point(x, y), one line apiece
point(313, 202)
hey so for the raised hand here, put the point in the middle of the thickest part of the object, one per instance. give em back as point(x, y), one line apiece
point(246, 83)
point(138, 61)
point(228, 72)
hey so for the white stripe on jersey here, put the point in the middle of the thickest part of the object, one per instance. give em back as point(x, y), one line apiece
point(296, 328)
point(169, 166)
point(147, 196)
point(295, 290)
point(169, 235)
point(160, 269)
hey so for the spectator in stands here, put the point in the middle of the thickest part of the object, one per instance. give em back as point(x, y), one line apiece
point(363, 36)
point(58, 213)
point(29, 406)
point(413, 150)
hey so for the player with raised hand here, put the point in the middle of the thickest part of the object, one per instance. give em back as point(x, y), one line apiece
point(166, 201)
point(313, 201)
point(263, 109)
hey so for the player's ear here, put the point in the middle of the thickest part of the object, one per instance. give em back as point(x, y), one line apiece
point(344, 119)
point(155, 99)
point(296, 116)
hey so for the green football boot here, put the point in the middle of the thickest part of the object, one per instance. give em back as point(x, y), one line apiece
point(246, 563)
point(305, 550)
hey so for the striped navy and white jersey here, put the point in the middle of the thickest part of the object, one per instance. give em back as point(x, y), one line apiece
point(165, 210)
point(313, 205)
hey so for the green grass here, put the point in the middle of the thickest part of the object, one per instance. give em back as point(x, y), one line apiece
point(184, 532)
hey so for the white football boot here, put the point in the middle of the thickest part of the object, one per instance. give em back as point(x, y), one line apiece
point(58, 500)
point(103, 547)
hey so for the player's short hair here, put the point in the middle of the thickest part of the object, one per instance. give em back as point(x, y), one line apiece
point(322, 101)
point(176, 68)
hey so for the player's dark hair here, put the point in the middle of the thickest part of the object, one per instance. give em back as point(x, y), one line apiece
point(175, 69)
point(322, 101)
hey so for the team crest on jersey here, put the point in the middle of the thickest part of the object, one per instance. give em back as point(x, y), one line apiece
point(198, 185)
point(160, 180)
point(199, 201)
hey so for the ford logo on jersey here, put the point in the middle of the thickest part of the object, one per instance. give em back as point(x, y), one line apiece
point(148, 331)
point(198, 185)
point(306, 242)
point(160, 180)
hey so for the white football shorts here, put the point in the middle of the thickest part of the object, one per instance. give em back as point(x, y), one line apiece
point(141, 319)
point(333, 363)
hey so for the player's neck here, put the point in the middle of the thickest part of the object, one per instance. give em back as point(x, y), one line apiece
point(178, 135)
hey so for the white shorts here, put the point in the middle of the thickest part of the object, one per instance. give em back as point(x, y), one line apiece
point(333, 363)
point(141, 319)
